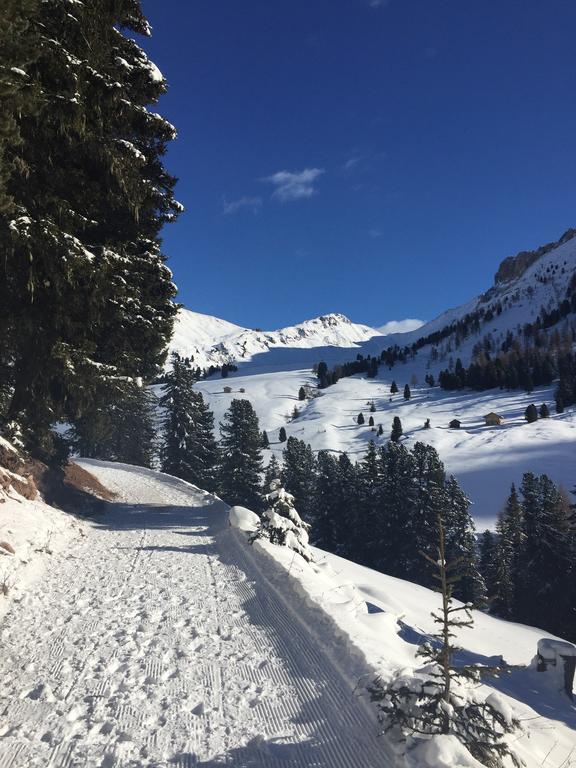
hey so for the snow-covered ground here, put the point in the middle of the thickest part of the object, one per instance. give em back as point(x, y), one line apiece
point(37, 533)
point(159, 640)
point(163, 638)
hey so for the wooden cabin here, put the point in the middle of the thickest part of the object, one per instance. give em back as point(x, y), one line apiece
point(493, 419)
point(454, 424)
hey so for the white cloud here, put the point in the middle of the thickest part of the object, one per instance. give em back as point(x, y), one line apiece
point(294, 186)
point(400, 326)
point(352, 162)
point(251, 203)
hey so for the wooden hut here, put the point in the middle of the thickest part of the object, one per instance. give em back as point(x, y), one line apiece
point(493, 419)
point(454, 424)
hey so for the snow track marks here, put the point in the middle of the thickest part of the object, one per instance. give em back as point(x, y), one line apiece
point(156, 641)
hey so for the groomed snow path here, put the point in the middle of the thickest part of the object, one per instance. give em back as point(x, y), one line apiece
point(156, 641)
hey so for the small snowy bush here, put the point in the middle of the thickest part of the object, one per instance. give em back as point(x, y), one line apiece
point(281, 524)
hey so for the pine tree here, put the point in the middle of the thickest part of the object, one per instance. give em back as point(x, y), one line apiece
point(396, 430)
point(371, 421)
point(345, 518)
point(85, 296)
point(272, 471)
point(298, 473)
point(380, 430)
point(326, 499)
point(531, 414)
point(241, 462)
point(118, 426)
point(364, 548)
point(407, 393)
point(281, 524)
point(360, 419)
point(544, 411)
point(282, 435)
point(545, 567)
point(461, 546)
point(265, 440)
point(487, 562)
point(510, 530)
point(394, 388)
point(391, 541)
point(189, 448)
point(301, 394)
point(440, 698)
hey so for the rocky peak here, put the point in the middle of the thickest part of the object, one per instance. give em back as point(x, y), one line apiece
point(514, 267)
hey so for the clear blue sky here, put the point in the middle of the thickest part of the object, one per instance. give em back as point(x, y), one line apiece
point(371, 157)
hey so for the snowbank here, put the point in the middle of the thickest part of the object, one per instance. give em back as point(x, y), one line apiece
point(373, 624)
point(34, 531)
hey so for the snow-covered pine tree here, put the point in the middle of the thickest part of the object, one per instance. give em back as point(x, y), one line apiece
point(392, 541)
point(441, 698)
point(241, 463)
point(189, 448)
point(85, 295)
point(272, 471)
point(298, 474)
point(281, 524)
point(487, 562)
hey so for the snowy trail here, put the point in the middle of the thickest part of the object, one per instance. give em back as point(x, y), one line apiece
point(157, 641)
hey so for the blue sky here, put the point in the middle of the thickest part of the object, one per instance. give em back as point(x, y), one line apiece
point(373, 157)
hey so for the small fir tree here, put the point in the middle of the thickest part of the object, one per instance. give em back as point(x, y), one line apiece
point(301, 394)
point(360, 419)
point(265, 440)
point(544, 411)
point(394, 388)
point(407, 392)
point(396, 429)
point(531, 414)
point(282, 435)
point(440, 699)
point(371, 421)
point(281, 524)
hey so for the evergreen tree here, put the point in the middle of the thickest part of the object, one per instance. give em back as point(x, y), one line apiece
point(545, 569)
point(371, 421)
point(487, 561)
point(461, 546)
point(396, 430)
point(510, 530)
point(380, 430)
point(241, 456)
point(559, 404)
point(544, 411)
point(298, 473)
point(118, 426)
point(407, 393)
point(326, 500)
point(394, 388)
point(391, 540)
point(85, 297)
point(364, 549)
point(346, 511)
point(265, 440)
point(360, 419)
point(272, 471)
point(282, 435)
point(440, 698)
point(189, 449)
point(301, 394)
point(281, 524)
point(531, 414)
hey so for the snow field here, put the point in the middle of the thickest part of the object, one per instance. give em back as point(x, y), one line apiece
point(485, 460)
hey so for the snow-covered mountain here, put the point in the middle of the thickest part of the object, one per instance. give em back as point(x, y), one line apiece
point(486, 460)
point(207, 341)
